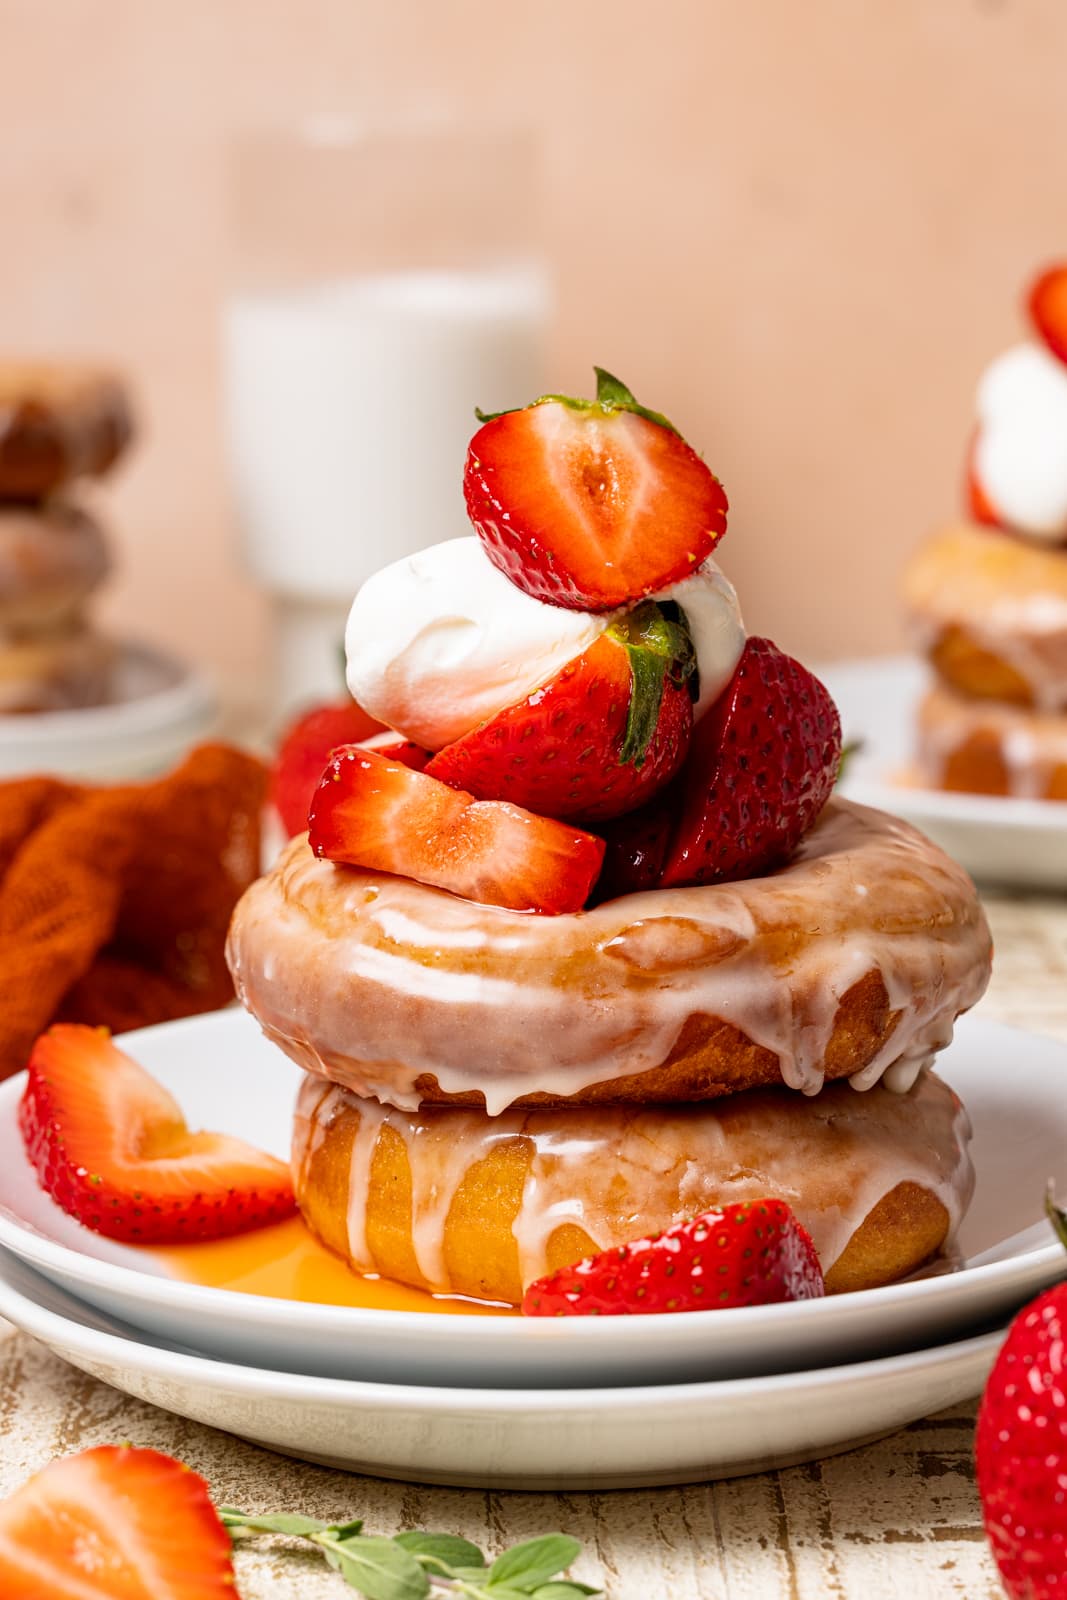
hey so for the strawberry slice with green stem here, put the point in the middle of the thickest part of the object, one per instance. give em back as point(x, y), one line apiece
point(375, 813)
point(111, 1146)
point(591, 504)
point(751, 1253)
point(598, 739)
point(114, 1523)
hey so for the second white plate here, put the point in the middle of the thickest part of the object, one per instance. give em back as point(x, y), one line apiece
point(518, 1438)
point(226, 1076)
point(997, 838)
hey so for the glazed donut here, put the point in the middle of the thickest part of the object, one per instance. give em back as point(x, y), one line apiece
point(463, 1203)
point(51, 558)
point(61, 670)
point(57, 422)
point(990, 611)
point(980, 747)
point(853, 960)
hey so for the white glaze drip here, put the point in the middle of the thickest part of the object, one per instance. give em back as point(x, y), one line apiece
point(619, 1173)
point(376, 989)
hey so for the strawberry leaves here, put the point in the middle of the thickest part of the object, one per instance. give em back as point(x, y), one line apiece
point(611, 395)
point(421, 1566)
point(657, 648)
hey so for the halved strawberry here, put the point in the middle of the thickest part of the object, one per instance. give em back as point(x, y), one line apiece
point(394, 748)
point(602, 736)
point(114, 1523)
point(304, 751)
point(979, 504)
point(370, 812)
point(1047, 305)
point(636, 848)
point(752, 1253)
point(761, 766)
point(111, 1146)
point(591, 504)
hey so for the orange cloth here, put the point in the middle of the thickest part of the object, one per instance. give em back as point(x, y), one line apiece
point(114, 903)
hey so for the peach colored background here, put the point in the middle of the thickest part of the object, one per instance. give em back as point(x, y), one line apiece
point(798, 226)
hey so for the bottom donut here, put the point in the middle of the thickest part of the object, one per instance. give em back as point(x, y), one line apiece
point(984, 747)
point(462, 1203)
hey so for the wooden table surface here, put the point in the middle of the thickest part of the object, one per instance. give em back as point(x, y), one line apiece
point(898, 1517)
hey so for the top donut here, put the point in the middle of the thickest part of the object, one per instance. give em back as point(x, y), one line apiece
point(58, 422)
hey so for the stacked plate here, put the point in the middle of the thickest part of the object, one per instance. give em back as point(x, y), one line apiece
point(568, 1403)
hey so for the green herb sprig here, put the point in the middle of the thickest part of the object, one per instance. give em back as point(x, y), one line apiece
point(417, 1566)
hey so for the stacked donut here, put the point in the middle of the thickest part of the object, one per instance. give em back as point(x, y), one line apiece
point(584, 947)
point(987, 598)
point(57, 424)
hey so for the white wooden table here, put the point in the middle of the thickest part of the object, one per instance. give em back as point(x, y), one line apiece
point(899, 1517)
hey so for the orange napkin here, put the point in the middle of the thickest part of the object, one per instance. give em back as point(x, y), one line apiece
point(114, 902)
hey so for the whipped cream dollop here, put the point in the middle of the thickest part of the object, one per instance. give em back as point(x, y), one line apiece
point(1020, 454)
point(441, 641)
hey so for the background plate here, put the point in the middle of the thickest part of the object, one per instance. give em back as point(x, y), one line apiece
point(998, 839)
point(227, 1076)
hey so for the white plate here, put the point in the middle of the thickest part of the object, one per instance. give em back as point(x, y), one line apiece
point(228, 1077)
point(160, 708)
point(997, 838)
point(511, 1439)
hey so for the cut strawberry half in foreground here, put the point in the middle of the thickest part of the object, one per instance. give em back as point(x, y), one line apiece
point(114, 1523)
point(375, 813)
point(1047, 304)
point(762, 764)
point(591, 504)
point(752, 1253)
point(110, 1145)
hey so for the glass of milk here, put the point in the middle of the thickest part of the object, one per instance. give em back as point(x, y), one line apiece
point(384, 284)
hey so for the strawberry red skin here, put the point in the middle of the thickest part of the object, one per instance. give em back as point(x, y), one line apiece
point(590, 511)
point(1021, 1452)
point(752, 1253)
point(304, 751)
point(375, 813)
point(635, 849)
point(63, 1121)
point(979, 504)
point(116, 1522)
point(558, 753)
point(762, 764)
point(1047, 304)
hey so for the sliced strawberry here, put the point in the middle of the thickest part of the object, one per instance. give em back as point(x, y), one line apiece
point(1047, 304)
point(752, 1253)
point(979, 504)
point(111, 1146)
point(635, 849)
point(304, 751)
point(602, 736)
point(370, 812)
point(394, 748)
point(761, 766)
point(114, 1523)
point(591, 504)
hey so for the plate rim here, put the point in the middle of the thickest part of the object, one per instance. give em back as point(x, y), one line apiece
point(265, 1382)
point(266, 1312)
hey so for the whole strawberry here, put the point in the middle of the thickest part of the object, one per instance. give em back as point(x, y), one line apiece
point(761, 765)
point(752, 1253)
point(1021, 1447)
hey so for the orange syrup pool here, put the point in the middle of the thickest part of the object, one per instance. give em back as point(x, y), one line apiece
point(285, 1261)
